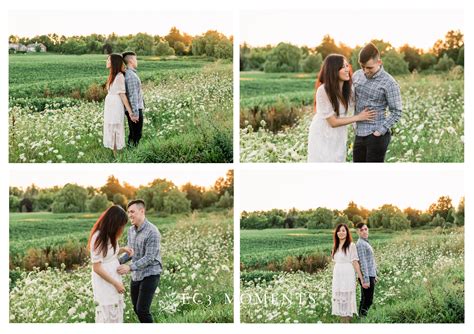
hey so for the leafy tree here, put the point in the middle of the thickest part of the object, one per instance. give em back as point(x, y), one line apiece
point(163, 49)
point(459, 217)
point(322, 218)
point(444, 63)
point(98, 203)
point(226, 201)
point(312, 63)
point(120, 199)
point(284, 58)
point(175, 201)
point(71, 198)
point(342, 220)
point(327, 46)
point(194, 194)
point(427, 60)
point(394, 63)
point(209, 198)
point(14, 203)
point(412, 56)
point(441, 207)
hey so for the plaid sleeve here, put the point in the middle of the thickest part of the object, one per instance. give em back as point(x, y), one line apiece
point(363, 261)
point(394, 101)
point(152, 247)
point(132, 86)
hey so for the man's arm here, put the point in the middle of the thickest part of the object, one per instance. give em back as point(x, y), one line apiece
point(152, 246)
point(394, 102)
point(132, 85)
point(364, 264)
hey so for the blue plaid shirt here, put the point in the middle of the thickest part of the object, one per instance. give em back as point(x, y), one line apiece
point(133, 88)
point(377, 93)
point(368, 267)
point(145, 242)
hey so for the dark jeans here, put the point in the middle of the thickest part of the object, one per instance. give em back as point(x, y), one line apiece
point(371, 148)
point(366, 297)
point(142, 295)
point(135, 129)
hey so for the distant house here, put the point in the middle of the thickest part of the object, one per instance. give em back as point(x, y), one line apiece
point(16, 47)
point(36, 47)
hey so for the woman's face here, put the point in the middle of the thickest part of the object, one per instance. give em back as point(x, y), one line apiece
point(344, 72)
point(108, 63)
point(342, 234)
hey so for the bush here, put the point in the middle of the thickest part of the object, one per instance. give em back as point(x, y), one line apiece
point(444, 63)
point(176, 202)
point(226, 201)
point(71, 198)
point(283, 58)
point(312, 63)
point(98, 203)
point(322, 218)
point(394, 63)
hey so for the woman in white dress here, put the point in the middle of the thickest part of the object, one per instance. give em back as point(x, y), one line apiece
point(344, 255)
point(115, 103)
point(106, 282)
point(334, 99)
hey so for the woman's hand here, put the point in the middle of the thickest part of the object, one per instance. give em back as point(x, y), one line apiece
point(119, 287)
point(366, 115)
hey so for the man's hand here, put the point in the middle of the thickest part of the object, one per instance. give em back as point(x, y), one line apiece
point(366, 285)
point(377, 134)
point(376, 279)
point(123, 269)
point(129, 251)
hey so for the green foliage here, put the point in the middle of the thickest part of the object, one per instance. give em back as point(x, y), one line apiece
point(312, 63)
point(71, 198)
point(322, 218)
point(444, 63)
point(284, 57)
point(394, 63)
point(226, 201)
point(175, 201)
point(98, 203)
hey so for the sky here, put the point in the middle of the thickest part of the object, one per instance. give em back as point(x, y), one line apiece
point(69, 23)
point(420, 28)
point(334, 189)
point(90, 175)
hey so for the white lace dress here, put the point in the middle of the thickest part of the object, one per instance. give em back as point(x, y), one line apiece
point(325, 143)
point(114, 114)
point(344, 283)
point(109, 303)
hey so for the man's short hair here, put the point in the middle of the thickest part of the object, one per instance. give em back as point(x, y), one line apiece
point(368, 52)
point(360, 225)
point(126, 56)
point(138, 202)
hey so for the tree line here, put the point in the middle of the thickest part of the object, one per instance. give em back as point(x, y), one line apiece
point(442, 213)
point(445, 54)
point(211, 44)
point(161, 196)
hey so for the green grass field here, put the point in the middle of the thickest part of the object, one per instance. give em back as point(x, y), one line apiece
point(197, 253)
point(431, 128)
point(421, 276)
point(188, 114)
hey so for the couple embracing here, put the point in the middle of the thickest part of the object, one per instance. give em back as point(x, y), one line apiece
point(143, 249)
point(351, 259)
point(124, 95)
point(370, 91)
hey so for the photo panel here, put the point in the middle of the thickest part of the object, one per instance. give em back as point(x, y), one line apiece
point(352, 85)
point(173, 234)
point(325, 246)
point(158, 89)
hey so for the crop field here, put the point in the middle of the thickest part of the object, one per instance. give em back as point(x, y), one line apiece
point(187, 117)
point(50, 275)
point(286, 276)
point(276, 112)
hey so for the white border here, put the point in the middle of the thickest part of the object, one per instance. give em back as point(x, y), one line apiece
point(237, 7)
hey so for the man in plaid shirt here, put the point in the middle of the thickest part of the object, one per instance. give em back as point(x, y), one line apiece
point(368, 267)
point(376, 90)
point(144, 244)
point(133, 88)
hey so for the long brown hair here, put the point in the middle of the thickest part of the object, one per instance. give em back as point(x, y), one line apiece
point(347, 243)
point(329, 76)
point(110, 226)
point(116, 67)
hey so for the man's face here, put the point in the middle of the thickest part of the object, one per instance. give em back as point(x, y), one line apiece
point(371, 67)
point(133, 61)
point(363, 232)
point(135, 214)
